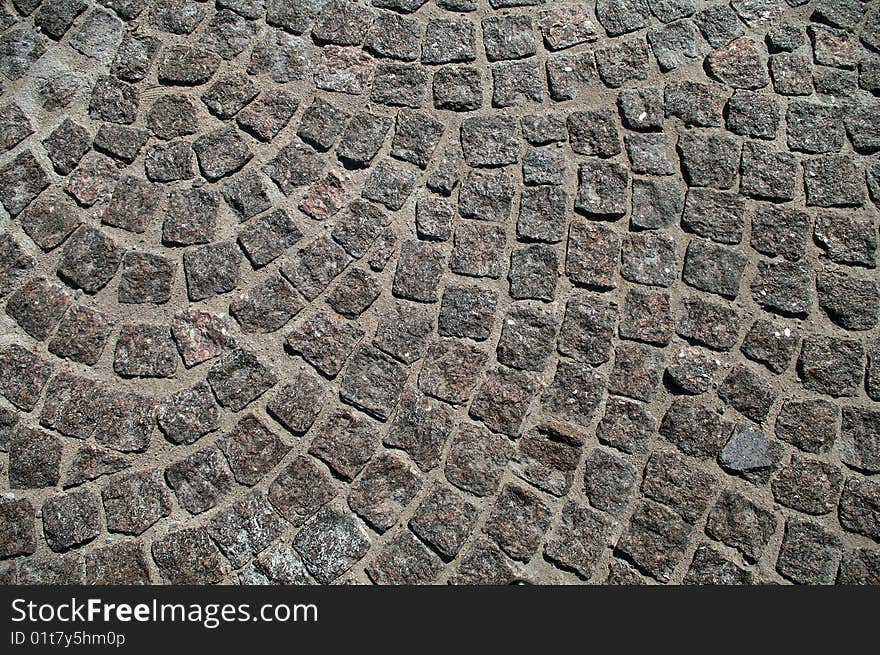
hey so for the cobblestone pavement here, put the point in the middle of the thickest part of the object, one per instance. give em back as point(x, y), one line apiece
point(459, 291)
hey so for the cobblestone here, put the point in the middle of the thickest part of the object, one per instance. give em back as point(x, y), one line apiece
point(709, 567)
point(37, 306)
point(476, 459)
point(741, 524)
point(300, 490)
point(135, 501)
point(121, 563)
point(809, 553)
point(345, 441)
point(609, 481)
point(71, 519)
point(34, 458)
point(405, 561)
point(18, 534)
point(252, 450)
point(859, 431)
point(518, 521)
point(332, 544)
point(188, 556)
point(387, 486)
point(189, 414)
point(421, 427)
point(239, 378)
point(245, 528)
point(655, 539)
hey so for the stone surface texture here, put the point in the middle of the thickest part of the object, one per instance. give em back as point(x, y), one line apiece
point(440, 291)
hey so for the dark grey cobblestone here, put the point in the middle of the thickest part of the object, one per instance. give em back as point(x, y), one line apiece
point(655, 539)
point(809, 553)
point(421, 427)
point(252, 450)
point(741, 524)
point(245, 528)
point(709, 567)
point(188, 556)
point(405, 561)
point(332, 543)
point(300, 490)
point(135, 501)
point(120, 142)
point(518, 521)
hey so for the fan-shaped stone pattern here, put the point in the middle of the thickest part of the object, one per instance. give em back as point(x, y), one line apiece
point(409, 292)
